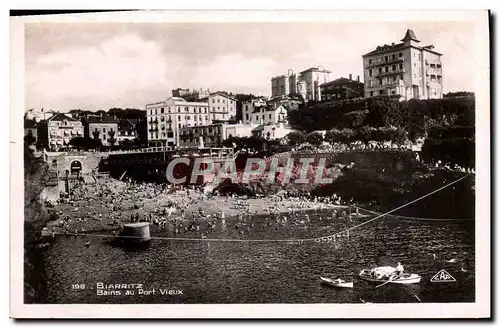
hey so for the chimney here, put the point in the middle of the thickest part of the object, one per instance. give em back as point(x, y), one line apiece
point(357, 78)
point(350, 76)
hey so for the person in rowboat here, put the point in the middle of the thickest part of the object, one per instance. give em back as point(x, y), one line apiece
point(338, 280)
point(399, 270)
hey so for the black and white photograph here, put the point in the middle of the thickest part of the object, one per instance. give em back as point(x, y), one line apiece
point(265, 164)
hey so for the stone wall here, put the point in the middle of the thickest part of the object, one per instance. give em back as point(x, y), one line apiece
point(88, 161)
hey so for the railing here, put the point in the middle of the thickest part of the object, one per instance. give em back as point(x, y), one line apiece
point(402, 70)
point(383, 62)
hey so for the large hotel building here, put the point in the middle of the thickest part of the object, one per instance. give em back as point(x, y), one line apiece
point(166, 119)
point(405, 69)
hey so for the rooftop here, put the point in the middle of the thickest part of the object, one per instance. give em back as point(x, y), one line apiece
point(316, 69)
point(410, 35)
point(62, 117)
point(103, 120)
point(340, 81)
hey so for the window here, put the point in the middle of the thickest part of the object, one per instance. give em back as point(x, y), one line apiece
point(386, 58)
point(393, 56)
point(247, 117)
point(178, 109)
point(401, 76)
point(380, 69)
point(179, 117)
point(381, 92)
point(393, 67)
point(104, 130)
point(438, 65)
point(394, 78)
point(223, 101)
point(186, 109)
point(162, 110)
point(418, 56)
point(169, 110)
point(400, 54)
point(370, 61)
point(379, 81)
point(400, 66)
point(370, 73)
point(269, 116)
point(393, 92)
point(205, 110)
point(218, 100)
point(213, 101)
point(433, 66)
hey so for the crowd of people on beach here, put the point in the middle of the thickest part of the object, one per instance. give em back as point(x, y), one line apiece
point(108, 204)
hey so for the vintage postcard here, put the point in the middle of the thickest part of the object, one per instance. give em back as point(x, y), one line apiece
point(253, 164)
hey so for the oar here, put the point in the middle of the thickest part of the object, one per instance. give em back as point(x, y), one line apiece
point(388, 281)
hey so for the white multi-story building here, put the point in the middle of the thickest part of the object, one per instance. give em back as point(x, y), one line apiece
point(269, 115)
point(405, 69)
point(248, 107)
point(306, 83)
point(221, 107)
point(165, 119)
point(61, 128)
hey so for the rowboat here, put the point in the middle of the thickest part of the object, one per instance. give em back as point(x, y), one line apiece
point(378, 277)
point(336, 283)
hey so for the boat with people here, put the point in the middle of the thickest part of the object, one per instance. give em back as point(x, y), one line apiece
point(388, 274)
point(339, 283)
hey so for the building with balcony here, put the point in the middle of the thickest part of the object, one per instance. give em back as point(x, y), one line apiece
point(342, 88)
point(61, 128)
point(104, 128)
point(165, 119)
point(222, 107)
point(306, 83)
point(248, 107)
point(404, 69)
point(212, 135)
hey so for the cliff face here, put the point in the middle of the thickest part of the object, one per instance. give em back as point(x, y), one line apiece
point(37, 178)
point(380, 180)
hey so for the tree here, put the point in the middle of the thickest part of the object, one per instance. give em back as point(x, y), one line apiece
point(333, 136)
point(355, 119)
point(366, 134)
point(295, 138)
point(85, 143)
point(112, 139)
point(96, 134)
point(315, 138)
point(29, 139)
point(347, 136)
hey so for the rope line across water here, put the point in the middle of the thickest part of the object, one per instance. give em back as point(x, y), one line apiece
point(329, 237)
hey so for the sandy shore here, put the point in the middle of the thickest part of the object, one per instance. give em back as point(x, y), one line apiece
point(110, 203)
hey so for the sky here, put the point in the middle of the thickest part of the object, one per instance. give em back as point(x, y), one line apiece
point(96, 66)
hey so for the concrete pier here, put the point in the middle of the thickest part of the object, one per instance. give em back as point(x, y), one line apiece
point(136, 232)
